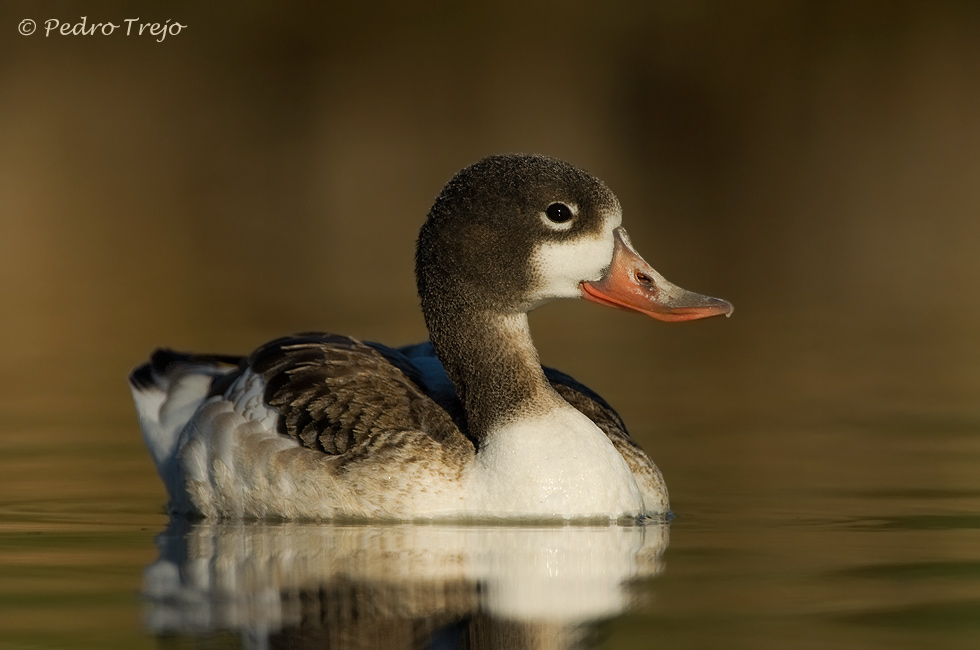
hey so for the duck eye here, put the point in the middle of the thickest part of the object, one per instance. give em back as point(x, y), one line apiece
point(559, 213)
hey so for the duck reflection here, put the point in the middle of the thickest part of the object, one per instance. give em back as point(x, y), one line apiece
point(396, 586)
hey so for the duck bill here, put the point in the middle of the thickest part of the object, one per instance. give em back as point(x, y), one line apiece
point(633, 285)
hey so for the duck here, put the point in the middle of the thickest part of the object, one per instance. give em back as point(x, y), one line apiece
point(468, 425)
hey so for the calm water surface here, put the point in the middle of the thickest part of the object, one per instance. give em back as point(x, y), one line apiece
point(862, 533)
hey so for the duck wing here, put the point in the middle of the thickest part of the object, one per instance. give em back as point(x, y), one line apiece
point(335, 394)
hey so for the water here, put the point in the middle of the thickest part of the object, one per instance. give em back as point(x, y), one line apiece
point(842, 531)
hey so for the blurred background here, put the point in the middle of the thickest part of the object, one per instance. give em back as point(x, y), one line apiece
point(266, 170)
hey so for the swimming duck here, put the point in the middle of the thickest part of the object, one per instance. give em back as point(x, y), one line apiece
point(321, 426)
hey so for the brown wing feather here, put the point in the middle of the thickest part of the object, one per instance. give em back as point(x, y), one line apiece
point(336, 394)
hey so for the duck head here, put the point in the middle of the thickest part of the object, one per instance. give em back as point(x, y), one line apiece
point(511, 232)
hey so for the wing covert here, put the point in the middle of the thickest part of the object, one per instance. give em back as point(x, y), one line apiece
point(335, 393)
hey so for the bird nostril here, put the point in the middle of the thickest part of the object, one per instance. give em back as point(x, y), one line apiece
point(643, 278)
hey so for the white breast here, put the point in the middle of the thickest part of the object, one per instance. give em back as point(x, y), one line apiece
point(555, 464)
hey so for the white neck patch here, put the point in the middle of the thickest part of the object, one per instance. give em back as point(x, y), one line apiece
point(560, 267)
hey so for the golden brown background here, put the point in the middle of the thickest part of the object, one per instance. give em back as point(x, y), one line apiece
point(265, 171)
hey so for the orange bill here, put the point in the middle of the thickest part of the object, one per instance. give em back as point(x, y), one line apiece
point(632, 284)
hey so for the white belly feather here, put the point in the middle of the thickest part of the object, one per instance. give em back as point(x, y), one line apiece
point(555, 464)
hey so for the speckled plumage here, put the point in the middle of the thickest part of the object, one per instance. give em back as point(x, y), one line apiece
point(335, 394)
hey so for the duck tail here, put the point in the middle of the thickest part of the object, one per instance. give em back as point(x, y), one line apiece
point(167, 391)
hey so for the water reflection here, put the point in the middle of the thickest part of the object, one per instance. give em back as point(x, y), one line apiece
point(398, 585)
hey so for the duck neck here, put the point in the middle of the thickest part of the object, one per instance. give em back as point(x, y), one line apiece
point(493, 364)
